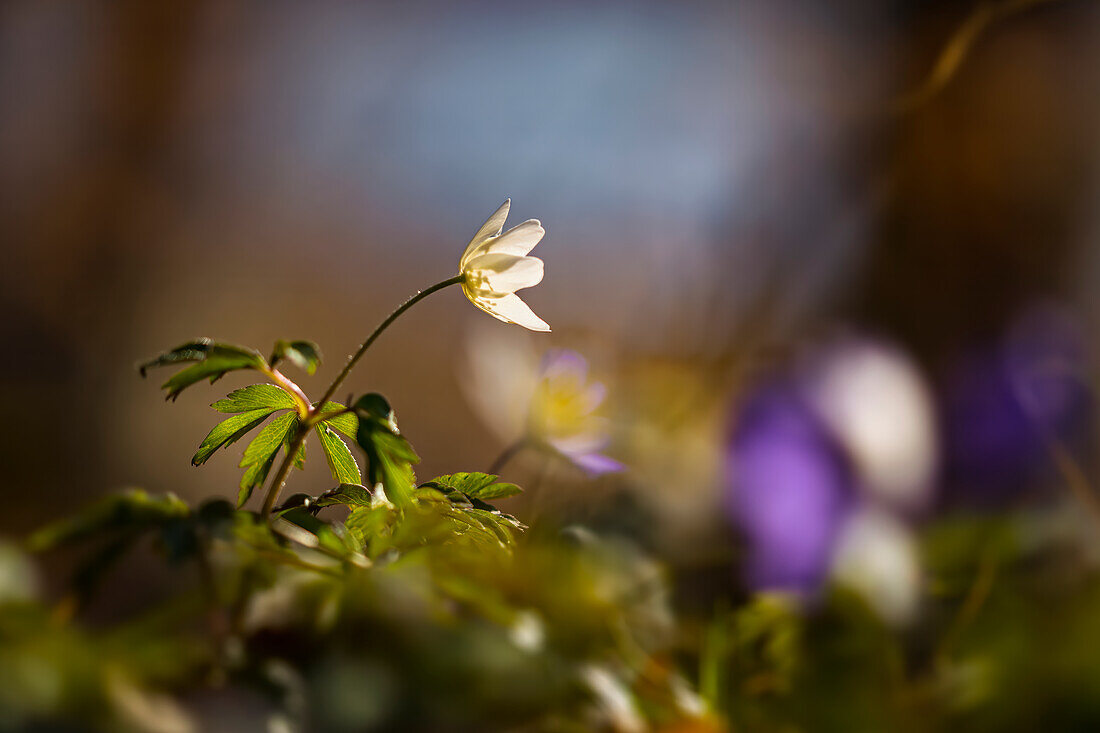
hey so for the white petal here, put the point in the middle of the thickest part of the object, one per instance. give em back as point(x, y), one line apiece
point(491, 228)
point(510, 309)
point(502, 273)
point(519, 240)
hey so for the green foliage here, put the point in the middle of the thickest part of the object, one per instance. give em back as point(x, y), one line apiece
point(346, 422)
point(255, 397)
point(114, 524)
point(340, 460)
point(483, 486)
point(261, 452)
point(377, 605)
point(390, 457)
point(214, 360)
point(229, 431)
point(347, 494)
point(132, 510)
point(305, 355)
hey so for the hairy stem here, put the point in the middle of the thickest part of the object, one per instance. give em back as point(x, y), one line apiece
point(420, 295)
point(288, 386)
point(509, 453)
point(276, 486)
point(314, 415)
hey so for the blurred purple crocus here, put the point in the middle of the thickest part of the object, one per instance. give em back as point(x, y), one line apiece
point(1003, 405)
point(828, 458)
point(791, 489)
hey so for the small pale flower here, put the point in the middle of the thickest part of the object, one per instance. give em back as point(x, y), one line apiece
point(549, 399)
point(495, 265)
point(563, 411)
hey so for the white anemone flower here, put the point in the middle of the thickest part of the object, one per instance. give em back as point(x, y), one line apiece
point(495, 265)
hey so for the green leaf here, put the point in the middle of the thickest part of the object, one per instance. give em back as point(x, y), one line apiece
point(340, 460)
point(348, 494)
point(300, 458)
point(302, 526)
point(305, 355)
point(371, 527)
point(475, 485)
point(229, 431)
point(347, 423)
point(196, 350)
point(214, 361)
point(253, 397)
point(390, 457)
point(260, 453)
point(134, 509)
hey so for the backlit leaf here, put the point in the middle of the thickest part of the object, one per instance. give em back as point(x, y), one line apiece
point(260, 453)
point(229, 431)
point(213, 359)
point(347, 423)
point(340, 460)
point(390, 457)
point(305, 355)
point(482, 486)
point(348, 494)
point(253, 397)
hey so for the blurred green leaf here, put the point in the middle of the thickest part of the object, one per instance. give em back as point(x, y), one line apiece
point(390, 457)
point(214, 361)
point(340, 460)
point(371, 527)
point(253, 397)
point(196, 350)
point(116, 523)
point(261, 452)
point(305, 355)
point(331, 538)
point(475, 485)
point(230, 431)
point(134, 509)
point(348, 494)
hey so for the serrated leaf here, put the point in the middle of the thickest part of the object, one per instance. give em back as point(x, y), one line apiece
point(305, 355)
point(300, 458)
point(229, 431)
point(349, 494)
point(261, 452)
point(196, 350)
point(253, 397)
point(371, 527)
point(340, 460)
point(483, 486)
point(214, 361)
point(346, 423)
point(390, 457)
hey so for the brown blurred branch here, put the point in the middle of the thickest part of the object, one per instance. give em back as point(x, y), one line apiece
point(956, 50)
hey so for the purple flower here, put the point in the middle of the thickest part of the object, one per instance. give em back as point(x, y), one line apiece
point(790, 490)
point(1004, 405)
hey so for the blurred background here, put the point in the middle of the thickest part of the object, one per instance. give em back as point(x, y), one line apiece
point(834, 264)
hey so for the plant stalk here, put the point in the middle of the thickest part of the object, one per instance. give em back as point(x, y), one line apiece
point(312, 416)
point(413, 300)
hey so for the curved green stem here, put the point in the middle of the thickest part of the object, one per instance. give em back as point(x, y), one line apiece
point(509, 453)
point(420, 295)
point(288, 386)
point(314, 413)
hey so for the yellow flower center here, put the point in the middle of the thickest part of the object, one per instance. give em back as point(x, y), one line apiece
point(559, 408)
